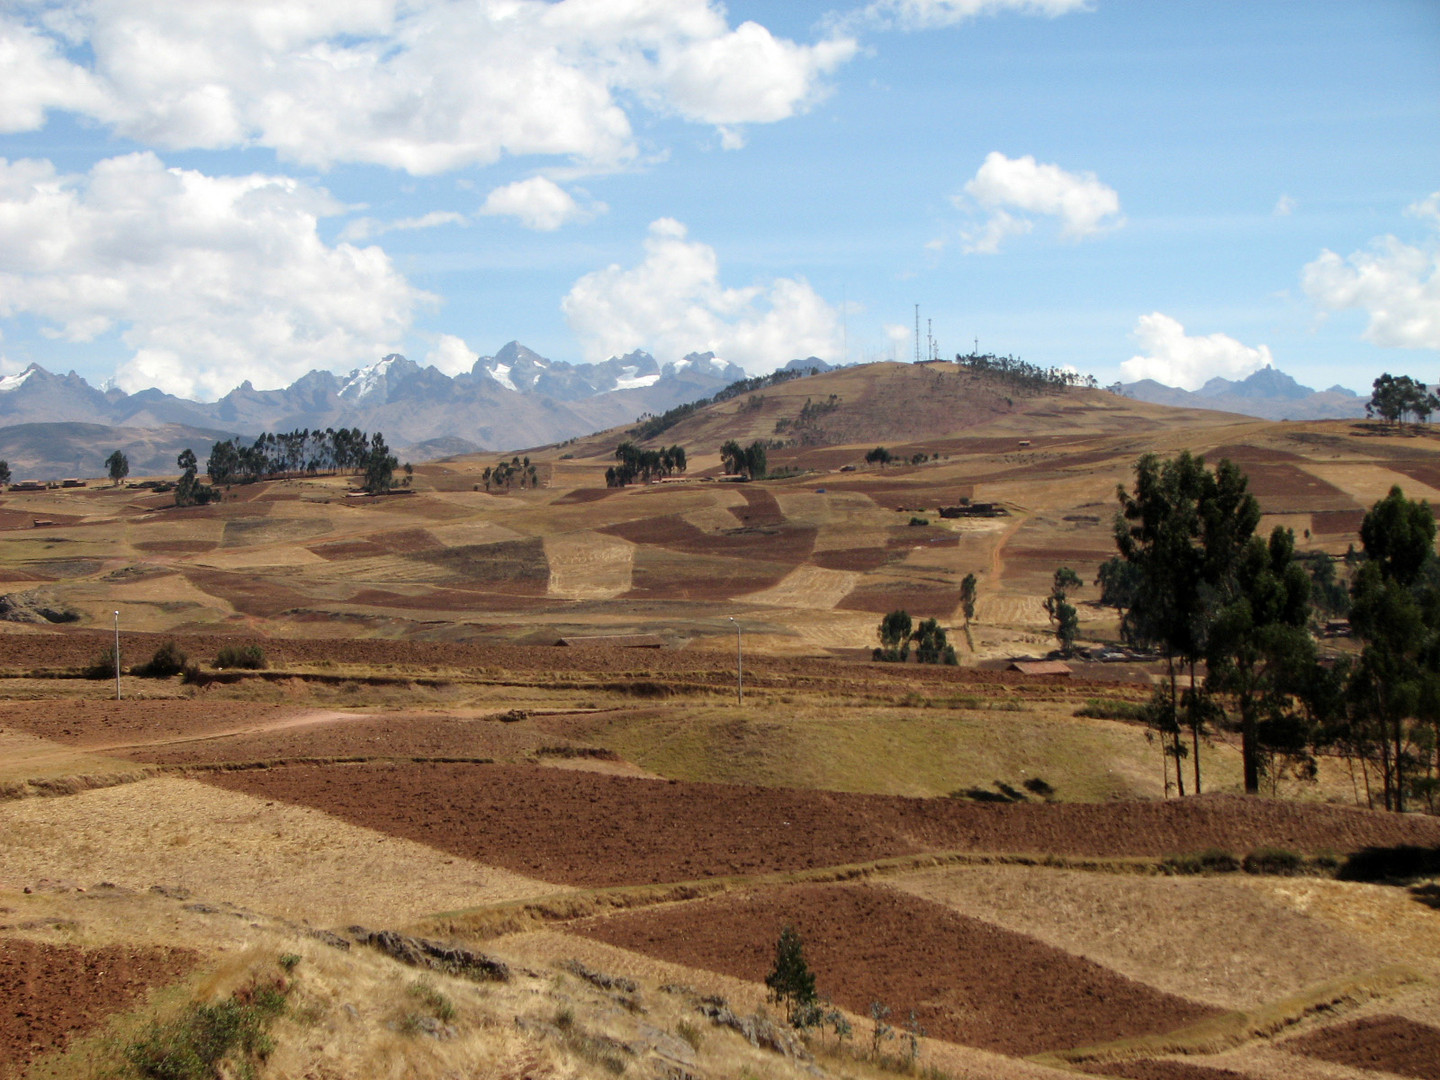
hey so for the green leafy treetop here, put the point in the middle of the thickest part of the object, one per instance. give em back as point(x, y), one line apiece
point(791, 981)
point(118, 466)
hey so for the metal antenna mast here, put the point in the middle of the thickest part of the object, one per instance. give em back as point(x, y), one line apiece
point(917, 333)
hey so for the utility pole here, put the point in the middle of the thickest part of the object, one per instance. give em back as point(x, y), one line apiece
point(117, 656)
point(739, 667)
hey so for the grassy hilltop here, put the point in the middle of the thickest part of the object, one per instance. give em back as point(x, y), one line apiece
point(423, 840)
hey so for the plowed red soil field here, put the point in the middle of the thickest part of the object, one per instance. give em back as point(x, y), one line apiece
point(591, 830)
point(1390, 1044)
point(109, 722)
point(77, 648)
point(1159, 1069)
point(53, 992)
point(967, 981)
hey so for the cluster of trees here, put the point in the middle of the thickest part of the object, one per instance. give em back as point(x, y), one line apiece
point(879, 456)
point(4, 473)
point(1195, 581)
point(1394, 397)
point(188, 489)
point(896, 632)
point(1028, 376)
point(293, 452)
point(516, 472)
point(636, 464)
point(747, 461)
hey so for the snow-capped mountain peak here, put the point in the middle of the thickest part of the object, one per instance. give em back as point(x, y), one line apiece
point(376, 379)
point(11, 383)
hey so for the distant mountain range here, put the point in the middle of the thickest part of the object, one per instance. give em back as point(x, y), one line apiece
point(1269, 394)
point(59, 425)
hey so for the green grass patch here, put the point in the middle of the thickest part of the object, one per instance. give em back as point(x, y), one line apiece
point(889, 750)
point(229, 1037)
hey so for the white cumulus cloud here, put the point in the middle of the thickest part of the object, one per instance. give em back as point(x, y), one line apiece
point(1006, 187)
point(1176, 359)
point(208, 280)
point(673, 303)
point(451, 354)
point(425, 86)
point(538, 203)
point(366, 228)
point(919, 14)
point(1396, 284)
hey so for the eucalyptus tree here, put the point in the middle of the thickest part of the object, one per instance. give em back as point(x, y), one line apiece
point(1183, 529)
point(1394, 690)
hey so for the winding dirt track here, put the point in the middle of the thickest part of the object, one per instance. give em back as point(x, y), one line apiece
point(591, 830)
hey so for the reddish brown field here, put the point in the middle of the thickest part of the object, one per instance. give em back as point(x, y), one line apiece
point(920, 601)
point(76, 649)
point(1280, 485)
point(106, 722)
point(967, 981)
point(1151, 1069)
point(54, 992)
point(590, 830)
point(862, 560)
point(1390, 1044)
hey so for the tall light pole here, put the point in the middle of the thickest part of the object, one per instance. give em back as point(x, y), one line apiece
point(739, 667)
point(117, 656)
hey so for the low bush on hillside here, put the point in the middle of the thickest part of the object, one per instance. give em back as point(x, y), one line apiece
point(223, 1038)
point(241, 656)
point(1108, 709)
point(1210, 861)
point(167, 660)
point(1391, 864)
point(103, 665)
point(1277, 861)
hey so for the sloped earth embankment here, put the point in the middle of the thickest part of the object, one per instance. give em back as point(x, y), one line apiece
point(965, 981)
point(593, 830)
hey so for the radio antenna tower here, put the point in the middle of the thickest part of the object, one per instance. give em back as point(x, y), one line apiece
point(917, 333)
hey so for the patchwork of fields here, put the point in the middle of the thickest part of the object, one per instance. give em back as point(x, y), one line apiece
point(981, 853)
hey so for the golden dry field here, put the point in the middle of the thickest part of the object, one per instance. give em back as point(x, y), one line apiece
point(622, 834)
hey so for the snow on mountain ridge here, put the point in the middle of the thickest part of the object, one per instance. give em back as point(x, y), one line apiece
point(10, 383)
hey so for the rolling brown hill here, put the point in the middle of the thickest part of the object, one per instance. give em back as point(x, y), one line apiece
point(806, 563)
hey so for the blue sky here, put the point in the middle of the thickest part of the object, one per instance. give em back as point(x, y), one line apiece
point(195, 192)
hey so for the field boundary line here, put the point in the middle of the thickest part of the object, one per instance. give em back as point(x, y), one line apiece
point(57, 786)
point(515, 916)
point(1234, 1029)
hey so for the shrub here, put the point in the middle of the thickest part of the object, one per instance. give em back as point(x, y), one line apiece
point(1107, 709)
point(103, 666)
point(204, 1038)
point(690, 1033)
point(439, 1005)
point(918, 521)
point(1274, 861)
point(1209, 861)
point(241, 656)
point(1390, 864)
point(168, 660)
